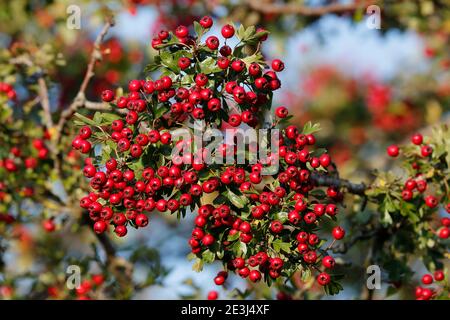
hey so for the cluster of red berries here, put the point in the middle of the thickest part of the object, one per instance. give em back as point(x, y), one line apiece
point(298, 227)
point(252, 207)
point(417, 139)
point(427, 293)
point(202, 102)
point(8, 90)
point(17, 159)
point(418, 185)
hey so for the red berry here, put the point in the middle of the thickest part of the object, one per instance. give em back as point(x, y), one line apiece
point(100, 226)
point(277, 65)
point(107, 95)
point(235, 120)
point(238, 65)
point(328, 262)
point(213, 295)
point(223, 63)
point(254, 276)
point(426, 151)
point(431, 201)
point(206, 22)
point(208, 240)
point(121, 231)
point(166, 138)
point(444, 233)
point(184, 63)
point(392, 150)
point(254, 70)
point(85, 146)
point(212, 42)
point(281, 112)
point(134, 85)
point(323, 279)
point(163, 34)
point(276, 226)
point(417, 139)
point(219, 280)
point(427, 279)
point(338, 233)
point(181, 31)
point(225, 51)
point(141, 220)
point(227, 31)
point(48, 225)
point(439, 275)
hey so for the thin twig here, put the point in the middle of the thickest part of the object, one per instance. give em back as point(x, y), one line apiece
point(364, 235)
point(101, 106)
point(323, 180)
point(80, 98)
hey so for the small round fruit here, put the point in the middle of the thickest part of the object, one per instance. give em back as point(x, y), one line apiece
point(393, 150)
point(281, 112)
point(417, 139)
point(227, 31)
point(100, 226)
point(277, 65)
point(427, 279)
point(338, 233)
point(323, 279)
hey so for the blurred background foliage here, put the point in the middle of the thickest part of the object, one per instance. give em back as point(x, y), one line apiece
point(361, 111)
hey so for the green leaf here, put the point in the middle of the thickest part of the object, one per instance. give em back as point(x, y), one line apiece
point(161, 111)
point(85, 119)
point(387, 219)
point(333, 288)
point(310, 128)
point(233, 237)
point(209, 66)
point(198, 265)
point(237, 201)
point(279, 245)
point(281, 216)
point(257, 57)
point(306, 275)
point(208, 256)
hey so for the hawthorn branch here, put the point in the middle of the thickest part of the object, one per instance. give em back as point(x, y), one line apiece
point(268, 7)
point(101, 106)
point(80, 99)
point(363, 235)
point(328, 181)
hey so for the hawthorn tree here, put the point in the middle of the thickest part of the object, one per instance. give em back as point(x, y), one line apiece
point(295, 229)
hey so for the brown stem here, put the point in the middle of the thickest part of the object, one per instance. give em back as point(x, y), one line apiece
point(80, 98)
point(328, 181)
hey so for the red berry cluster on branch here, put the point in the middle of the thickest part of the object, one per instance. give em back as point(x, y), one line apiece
point(261, 226)
point(426, 292)
point(417, 186)
point(22, 161)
